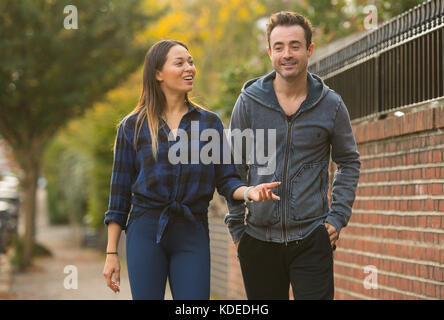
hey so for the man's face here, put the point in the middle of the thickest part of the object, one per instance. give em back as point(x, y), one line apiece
point(289, 54)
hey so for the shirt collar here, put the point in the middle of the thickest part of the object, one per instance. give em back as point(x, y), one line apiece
point(192, 108)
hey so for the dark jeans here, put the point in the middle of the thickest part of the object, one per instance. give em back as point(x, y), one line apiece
point(269, 268)
point(183, 256)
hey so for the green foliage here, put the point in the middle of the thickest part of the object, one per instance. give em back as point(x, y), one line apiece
point(79, 159)
point(331, 20)
point(66, 172)
point(49, 74)
point(231, 82)
point(335, 19)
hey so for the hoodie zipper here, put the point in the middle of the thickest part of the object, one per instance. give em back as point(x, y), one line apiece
point(284, 184)
point(322, 193)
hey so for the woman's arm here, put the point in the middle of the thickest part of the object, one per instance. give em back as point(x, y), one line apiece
point(257, 193)
point(114, 231)
point(112, 263)
point(119, 203)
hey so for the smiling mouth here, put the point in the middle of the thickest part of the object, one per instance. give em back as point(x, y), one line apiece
point(189, 78)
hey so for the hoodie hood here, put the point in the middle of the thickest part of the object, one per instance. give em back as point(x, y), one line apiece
point(261, 90)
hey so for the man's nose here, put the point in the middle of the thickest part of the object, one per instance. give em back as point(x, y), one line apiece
point(286, 53)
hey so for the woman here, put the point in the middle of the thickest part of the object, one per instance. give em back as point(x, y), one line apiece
point(167, 231)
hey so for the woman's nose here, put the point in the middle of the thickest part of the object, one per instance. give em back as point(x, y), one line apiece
point(190, 67)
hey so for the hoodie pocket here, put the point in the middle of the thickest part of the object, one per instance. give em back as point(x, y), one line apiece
point(265, 213)
point(308, 196)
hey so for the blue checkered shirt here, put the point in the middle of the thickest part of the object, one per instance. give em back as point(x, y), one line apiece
point(159, 188)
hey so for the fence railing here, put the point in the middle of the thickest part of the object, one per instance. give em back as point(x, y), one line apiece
point(398, 64)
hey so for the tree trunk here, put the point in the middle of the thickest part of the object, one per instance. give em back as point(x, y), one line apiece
point(28, 154)
point(30, 176)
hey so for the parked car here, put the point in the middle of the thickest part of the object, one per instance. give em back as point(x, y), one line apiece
point(9, 208)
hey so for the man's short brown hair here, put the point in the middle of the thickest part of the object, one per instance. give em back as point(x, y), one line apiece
point(286, 18)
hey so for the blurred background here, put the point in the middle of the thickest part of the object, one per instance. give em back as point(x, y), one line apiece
point(71, 70)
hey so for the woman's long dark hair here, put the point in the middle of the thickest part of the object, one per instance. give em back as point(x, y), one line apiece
point(152, 101)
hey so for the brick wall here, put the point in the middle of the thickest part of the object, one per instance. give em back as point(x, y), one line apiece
point(219, 257)
point(226, 276)
point(397, 225)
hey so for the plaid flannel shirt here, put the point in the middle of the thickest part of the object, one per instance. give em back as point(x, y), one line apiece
point(159, 188)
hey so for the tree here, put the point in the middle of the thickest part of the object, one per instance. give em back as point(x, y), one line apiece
point(49, 74)
point(92, 137)
point(336, 19)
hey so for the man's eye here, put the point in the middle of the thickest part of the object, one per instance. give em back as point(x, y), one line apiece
point(295, 47)
point(179, 63)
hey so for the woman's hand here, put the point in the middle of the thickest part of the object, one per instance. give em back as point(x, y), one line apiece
point(112, 266)
point(262, 192)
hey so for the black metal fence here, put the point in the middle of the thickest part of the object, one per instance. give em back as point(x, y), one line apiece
point(399, 64)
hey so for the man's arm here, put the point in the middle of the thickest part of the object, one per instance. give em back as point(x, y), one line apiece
point(236, 215)
point(345, 182)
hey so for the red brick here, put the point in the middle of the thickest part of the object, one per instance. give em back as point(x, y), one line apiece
point(441, 206)
point(439, 117)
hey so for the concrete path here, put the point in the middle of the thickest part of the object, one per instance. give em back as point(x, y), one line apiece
point(47, 279)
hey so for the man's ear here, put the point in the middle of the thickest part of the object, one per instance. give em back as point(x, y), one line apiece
point(269, 52)
point(310, 50)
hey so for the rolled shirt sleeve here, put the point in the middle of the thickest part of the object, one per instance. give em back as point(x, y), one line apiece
point(121, 178)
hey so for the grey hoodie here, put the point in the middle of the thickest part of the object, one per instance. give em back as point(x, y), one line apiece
point(300, 161)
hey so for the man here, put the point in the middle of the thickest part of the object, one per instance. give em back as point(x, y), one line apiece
point(292, 240)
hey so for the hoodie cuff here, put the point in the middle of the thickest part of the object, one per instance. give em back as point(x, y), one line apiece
point(334, 222)
point(236, 231)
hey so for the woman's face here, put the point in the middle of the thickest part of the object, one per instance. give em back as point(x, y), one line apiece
point(178, 72)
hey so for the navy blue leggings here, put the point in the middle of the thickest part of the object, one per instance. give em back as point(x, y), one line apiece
point(182, 256)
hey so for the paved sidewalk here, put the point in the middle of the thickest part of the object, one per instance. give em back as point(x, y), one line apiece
point(45, 279)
